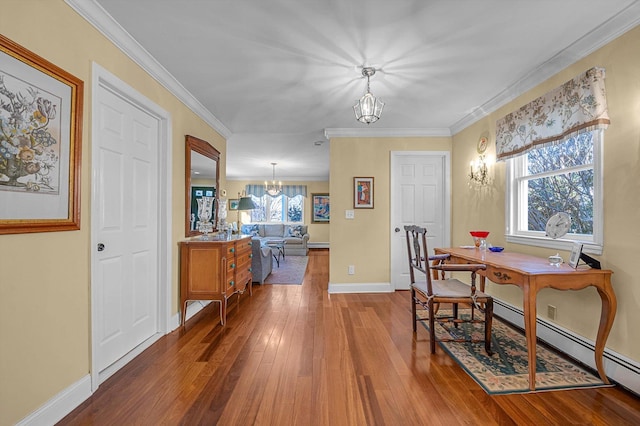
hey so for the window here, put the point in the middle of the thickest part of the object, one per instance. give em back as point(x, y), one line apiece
point(278, 209)
point(563, 177)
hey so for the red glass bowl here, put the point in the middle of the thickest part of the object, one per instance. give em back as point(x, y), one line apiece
point(479, 234)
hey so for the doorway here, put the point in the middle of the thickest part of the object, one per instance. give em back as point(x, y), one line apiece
point(420, 195)
point(130, 224)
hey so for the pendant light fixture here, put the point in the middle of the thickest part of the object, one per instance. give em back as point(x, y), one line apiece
point(273, 189)
point(368, 109)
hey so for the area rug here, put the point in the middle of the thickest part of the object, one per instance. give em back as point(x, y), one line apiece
point(506, 371)
point(291, 270)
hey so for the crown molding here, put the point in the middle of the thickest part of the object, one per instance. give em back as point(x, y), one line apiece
point(610, 30)
point(93, 13)
point(385, 133)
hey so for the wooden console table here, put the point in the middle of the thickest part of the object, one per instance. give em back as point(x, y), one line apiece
point(533, 274)
point(214, 269)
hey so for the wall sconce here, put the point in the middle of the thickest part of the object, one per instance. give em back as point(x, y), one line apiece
point(479, 172)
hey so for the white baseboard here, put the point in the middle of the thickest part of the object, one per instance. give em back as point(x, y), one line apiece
point(622, 370)
point(60, 405)
point(192, 309)
point(69, 399)
point(335, 288)
point(618, 368)
point(318, 245)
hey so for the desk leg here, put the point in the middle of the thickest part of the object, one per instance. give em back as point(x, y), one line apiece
point(530, 330)
point(608, 313)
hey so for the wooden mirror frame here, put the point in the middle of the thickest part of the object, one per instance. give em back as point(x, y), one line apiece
point(193, 144)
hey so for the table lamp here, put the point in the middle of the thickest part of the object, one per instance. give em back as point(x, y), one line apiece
point(244, 203)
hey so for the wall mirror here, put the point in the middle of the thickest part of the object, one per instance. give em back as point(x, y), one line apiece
point(201, 177)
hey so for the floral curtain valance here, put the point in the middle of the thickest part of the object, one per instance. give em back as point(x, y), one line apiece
point(578, 106)
point(288, 190)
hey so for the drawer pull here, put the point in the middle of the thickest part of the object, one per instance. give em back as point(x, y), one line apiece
point(232, 250)
point(249, 269)
point(251, 255)
point(233, 265)
point(502, 275)
point(231, 283)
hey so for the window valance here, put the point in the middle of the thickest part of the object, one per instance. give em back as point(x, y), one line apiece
point(288, 190)
point(578, 106)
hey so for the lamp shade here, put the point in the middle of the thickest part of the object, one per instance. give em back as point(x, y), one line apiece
point(246, 203)
point(368, 109)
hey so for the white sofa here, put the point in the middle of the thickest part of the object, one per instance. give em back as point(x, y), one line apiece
point(295, 236)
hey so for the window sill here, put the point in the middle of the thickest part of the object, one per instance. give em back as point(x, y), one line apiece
point(559, 244)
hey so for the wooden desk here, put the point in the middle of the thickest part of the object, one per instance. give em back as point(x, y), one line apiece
point(533, 274)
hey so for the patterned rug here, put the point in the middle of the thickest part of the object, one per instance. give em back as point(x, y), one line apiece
point(506, 371)
point(291, 270)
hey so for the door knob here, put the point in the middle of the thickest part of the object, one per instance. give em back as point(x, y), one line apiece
point(100, 247)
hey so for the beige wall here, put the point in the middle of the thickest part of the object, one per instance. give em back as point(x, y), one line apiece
point(45, 277)
point(364, 241)
point(318, 232)
point(577, 311)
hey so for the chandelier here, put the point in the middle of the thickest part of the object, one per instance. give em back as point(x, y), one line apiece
point(273, 189)
point(368, 109)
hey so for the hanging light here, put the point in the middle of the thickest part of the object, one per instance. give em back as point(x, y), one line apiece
point(368, 109)
point(273, 189)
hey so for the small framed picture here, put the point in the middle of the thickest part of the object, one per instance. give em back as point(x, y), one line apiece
point(575, 255)
point(233, 204)
point(320, 204)
point(362, 192)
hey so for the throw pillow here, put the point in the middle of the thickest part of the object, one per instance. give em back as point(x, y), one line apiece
point(295, 231)
point(250, 229)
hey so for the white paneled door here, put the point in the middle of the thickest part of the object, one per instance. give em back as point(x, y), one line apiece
point(420, 195)
point(126, 253)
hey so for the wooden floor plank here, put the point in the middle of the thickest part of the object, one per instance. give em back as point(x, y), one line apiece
point(297, 355)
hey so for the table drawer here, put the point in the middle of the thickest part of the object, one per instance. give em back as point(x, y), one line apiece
point(243, 258)
point(499, 275)
point(231, 285)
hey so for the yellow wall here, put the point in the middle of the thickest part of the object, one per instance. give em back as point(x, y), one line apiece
point(577, 311)
point(45, 277)
point(318, 232)
point(364, 241)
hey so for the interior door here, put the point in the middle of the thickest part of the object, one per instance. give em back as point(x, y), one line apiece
point(126, 257)
point(420, 195)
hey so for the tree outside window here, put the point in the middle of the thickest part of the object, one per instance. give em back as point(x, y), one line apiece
point(278, 209)
point(563, 177)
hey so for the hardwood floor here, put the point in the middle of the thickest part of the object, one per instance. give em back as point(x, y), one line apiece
point(295, 355)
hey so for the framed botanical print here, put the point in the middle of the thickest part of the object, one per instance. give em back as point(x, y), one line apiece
point(362, 192)
point(40, 140)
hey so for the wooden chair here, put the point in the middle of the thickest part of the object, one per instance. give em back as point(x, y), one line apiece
point(429, 292)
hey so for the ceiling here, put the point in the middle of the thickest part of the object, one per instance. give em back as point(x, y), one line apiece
point(273, 76)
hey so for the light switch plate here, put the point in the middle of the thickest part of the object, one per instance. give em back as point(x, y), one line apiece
point(349, 214)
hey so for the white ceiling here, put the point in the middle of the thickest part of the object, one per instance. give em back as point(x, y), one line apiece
point(273, 75)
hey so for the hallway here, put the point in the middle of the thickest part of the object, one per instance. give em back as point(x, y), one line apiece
point(295, 355)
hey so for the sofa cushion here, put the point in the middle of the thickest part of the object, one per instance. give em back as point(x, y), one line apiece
point(273, 230)
point(292, 241)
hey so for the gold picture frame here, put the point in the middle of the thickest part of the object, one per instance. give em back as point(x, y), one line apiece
point(40, 143)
